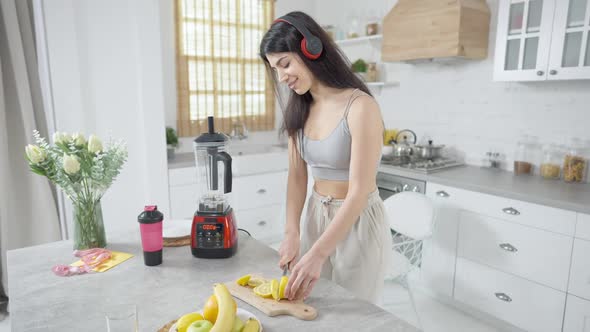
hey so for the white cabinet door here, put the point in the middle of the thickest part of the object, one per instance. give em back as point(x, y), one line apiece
point(439, 253)
point(520, 302)
point(577, 315)
point(534, 254)
point(259, 190)
point(264, 224)
point(523, 39)
point(580, 271)
point(570, 44)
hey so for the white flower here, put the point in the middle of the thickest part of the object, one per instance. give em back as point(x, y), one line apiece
point(94, 144)
point(71, 164)
point(61, 137)
point(79, 139)
point(35, 153)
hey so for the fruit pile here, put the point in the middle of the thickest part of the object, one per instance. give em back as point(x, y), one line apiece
point(219, 315)
point(265, 288)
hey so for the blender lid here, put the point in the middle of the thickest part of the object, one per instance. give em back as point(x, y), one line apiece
point(211, 136)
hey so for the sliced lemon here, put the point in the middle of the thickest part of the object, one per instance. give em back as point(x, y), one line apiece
point(274, 289)
point(243, 280)
point(254, 282)
point(263, 290)
point(282, 286)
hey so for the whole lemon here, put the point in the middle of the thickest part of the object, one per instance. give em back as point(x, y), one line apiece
point(185, 321)
point(210, 310)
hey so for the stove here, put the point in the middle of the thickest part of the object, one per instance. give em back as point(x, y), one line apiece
point(423, 166)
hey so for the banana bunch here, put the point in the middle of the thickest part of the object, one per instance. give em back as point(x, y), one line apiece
point(227, 313)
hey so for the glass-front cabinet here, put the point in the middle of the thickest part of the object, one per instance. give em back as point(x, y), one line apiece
point(542, 40)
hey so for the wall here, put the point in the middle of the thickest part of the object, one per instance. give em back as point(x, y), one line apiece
point(106, 77)
point(168, 56)
point(457, 103)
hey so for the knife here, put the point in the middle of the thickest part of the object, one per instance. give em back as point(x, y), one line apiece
point(285, 270)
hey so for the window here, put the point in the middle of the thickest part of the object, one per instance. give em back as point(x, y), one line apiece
point(218, 70)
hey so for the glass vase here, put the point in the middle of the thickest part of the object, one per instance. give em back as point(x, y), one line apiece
point(88, 225)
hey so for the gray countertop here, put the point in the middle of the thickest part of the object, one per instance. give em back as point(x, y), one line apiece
point(41, 301)
point(529, 188)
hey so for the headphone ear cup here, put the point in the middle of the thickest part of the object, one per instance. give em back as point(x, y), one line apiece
point(313, 52)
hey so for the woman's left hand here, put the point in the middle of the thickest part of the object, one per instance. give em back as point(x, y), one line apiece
point(304, 276)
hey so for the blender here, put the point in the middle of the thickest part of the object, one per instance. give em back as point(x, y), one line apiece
point(214, 229)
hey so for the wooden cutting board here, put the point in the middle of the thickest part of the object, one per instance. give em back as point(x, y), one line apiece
point(271, 307)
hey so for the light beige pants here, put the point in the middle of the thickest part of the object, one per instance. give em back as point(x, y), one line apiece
point(361, 260)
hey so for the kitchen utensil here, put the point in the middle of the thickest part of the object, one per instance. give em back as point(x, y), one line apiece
point(285, 270)
point(429, 151)
point(272, 307)
point(150, 225)
point(214, 231)
point(402, 147)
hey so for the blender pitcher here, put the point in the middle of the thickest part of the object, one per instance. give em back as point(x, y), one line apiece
point(214, 175)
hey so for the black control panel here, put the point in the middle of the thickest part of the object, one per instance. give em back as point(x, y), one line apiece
point(209, 236)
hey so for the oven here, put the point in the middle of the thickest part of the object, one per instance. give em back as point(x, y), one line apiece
point(390, 184)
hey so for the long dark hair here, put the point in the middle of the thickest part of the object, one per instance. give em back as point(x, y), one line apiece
point(332, 68)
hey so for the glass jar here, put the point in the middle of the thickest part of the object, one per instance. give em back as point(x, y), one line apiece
point(551, 164)
point(574, 163)
point(525, 156)
point(330, 30)
point(371, 72)
point(353, 27)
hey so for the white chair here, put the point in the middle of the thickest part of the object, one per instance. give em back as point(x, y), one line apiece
point(411, 219)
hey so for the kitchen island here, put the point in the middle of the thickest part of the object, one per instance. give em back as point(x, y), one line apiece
point(42, 301)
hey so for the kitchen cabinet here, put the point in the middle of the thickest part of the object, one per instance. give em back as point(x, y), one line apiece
point(543, 40)
point(577, 315)
point(439, 252)
point(524, 304)
point(258, 199)
point(515, 260)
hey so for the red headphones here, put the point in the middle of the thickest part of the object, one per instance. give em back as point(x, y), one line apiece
point(311, 46)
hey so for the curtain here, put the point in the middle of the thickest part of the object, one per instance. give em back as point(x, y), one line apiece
point(28, 208)
point(218, 70)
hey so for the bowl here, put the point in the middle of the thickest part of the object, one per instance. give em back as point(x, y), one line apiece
point(243, 314)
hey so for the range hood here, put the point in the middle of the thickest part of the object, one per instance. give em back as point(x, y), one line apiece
point(427, 29)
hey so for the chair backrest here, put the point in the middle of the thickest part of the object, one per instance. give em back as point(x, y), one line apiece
point(411, 214)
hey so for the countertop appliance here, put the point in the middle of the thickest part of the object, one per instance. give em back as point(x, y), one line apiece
point(420, 165)
point(214, 229)
point(389, 184)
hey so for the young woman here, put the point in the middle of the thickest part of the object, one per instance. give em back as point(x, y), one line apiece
point(334, 126)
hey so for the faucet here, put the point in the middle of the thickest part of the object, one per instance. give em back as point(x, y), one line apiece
point(239, 131)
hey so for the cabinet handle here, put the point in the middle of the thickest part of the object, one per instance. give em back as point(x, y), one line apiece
point(540, 73)
point(553, 72)
point(511, 211)
point(503, 297)
point(261, 191)
point(261, 223)
point(508, 247)
point(442, 193)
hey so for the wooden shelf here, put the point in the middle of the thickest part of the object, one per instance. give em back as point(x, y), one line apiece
point(358, 40)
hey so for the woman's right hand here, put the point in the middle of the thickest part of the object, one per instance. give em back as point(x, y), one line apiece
point(289, 251)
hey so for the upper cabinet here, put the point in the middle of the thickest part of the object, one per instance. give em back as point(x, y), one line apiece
point(541, 40)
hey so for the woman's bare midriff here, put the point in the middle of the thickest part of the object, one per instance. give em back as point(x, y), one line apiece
point(334, 189)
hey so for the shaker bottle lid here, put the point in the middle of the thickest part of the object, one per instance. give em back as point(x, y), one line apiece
point(150, 215)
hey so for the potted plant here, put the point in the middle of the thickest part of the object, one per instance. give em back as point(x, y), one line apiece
point(359, 67)
point(171, 141)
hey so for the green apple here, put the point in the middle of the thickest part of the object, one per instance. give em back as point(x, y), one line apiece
point(200, 326)
point(238, 325)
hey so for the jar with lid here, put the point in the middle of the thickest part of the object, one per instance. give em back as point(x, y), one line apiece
point(525, 155)
point(551, 164)
point(371, 72)
point(574, 163)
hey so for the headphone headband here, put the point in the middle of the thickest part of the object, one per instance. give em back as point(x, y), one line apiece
point(311, 46)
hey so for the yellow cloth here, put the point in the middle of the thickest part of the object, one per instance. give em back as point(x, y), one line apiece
point(116, 259)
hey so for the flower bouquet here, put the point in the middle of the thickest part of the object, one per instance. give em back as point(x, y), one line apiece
point(84, 170)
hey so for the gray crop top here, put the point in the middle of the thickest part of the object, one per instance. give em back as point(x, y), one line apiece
point(329, 158)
